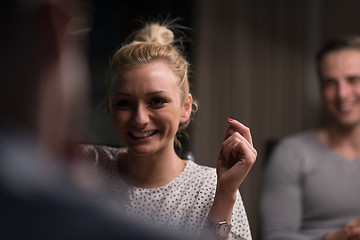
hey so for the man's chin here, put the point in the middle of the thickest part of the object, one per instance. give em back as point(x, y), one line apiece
point(348, 124)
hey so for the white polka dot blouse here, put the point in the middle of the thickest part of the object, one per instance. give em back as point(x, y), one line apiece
point(181, 205)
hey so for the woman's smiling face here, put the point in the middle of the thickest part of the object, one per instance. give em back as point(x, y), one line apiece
point(145, 108)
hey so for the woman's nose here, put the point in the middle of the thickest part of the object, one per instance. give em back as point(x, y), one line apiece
point(141, 115)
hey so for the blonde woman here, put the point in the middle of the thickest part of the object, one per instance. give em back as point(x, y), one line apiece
point(149, 103)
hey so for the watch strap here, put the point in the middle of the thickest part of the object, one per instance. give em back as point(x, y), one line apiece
point(221, 228)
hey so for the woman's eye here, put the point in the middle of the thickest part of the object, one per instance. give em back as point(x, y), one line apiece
point(122, 104)
point(157, 102)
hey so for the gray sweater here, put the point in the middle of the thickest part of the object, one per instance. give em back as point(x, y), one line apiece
point(308, 190)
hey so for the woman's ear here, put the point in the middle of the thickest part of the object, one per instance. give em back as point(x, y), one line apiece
point(186, 108)
point(108, 108)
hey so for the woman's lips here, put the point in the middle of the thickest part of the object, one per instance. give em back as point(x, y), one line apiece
point(143, 134)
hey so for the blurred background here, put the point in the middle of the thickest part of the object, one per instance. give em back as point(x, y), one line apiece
point(252, 60)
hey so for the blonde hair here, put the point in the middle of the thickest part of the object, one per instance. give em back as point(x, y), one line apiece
point(153, 42)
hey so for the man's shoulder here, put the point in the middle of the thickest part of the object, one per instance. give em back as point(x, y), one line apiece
point(300, 140)
point(299, 146)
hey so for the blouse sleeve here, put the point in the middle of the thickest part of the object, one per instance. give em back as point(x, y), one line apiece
point(240, 225)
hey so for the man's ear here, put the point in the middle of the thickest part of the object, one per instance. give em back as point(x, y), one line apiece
point(186, 108)
point(54, 20)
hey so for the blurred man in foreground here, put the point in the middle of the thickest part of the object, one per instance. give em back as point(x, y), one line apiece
point(43, 96)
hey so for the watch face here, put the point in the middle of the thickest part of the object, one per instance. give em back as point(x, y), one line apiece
point(224, 229)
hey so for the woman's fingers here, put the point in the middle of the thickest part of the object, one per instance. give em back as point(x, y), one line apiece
point(236, 157)
point(236, 126)
point(229, 157)
point(245, 150)
point(236, 148)
point(234, 138)
point(236, 161)
point(229, 131)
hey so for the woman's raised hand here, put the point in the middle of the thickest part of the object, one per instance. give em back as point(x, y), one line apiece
point(236, 157)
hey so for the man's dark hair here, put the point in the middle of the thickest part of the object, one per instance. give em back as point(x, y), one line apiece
point(336, 44)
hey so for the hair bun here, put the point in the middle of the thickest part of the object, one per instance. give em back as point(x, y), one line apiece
point(156, 33)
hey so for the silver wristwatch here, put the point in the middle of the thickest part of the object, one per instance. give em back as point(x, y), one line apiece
point(222, 228)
